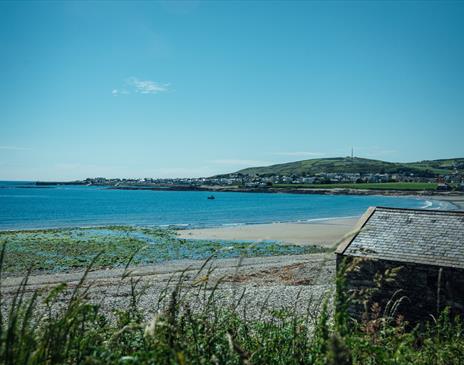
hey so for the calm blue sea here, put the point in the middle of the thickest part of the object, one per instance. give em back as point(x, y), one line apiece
point(23, 206)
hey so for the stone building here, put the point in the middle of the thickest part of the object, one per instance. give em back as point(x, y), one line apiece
point(411, 257)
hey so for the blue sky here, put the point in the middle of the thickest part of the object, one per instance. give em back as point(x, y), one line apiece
point(159, 89)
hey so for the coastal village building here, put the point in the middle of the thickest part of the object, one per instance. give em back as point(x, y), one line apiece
point(411, 257)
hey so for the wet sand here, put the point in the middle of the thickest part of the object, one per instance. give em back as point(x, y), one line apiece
point(456, 200)
point(323, 232)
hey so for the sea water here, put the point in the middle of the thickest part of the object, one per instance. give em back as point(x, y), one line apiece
point(23, 206)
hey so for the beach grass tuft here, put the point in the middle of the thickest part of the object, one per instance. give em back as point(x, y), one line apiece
point(63, 326)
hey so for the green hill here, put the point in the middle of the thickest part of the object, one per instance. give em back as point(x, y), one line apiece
point(358, 165)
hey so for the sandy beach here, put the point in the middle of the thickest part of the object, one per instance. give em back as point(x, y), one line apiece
point(322, 232)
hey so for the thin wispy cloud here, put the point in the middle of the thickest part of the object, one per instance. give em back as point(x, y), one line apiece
point(238, 162)
point(14, 148)
point(136, 85)
point(299, 154)
point(146, 86)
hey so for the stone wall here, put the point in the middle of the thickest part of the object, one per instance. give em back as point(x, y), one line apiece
point(420, 290)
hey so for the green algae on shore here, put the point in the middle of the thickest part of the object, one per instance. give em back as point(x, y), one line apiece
point(57, 250)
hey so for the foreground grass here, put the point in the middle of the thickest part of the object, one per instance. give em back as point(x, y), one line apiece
point(57, 250)
point(405, 186)
point(62, 327)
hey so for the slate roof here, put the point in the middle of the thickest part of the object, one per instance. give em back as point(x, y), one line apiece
point(409, 235)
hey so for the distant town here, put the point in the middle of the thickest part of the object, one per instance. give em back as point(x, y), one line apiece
point(348, 173)
point(321, 180)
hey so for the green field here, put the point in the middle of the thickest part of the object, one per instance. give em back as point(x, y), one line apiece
point(368, 186)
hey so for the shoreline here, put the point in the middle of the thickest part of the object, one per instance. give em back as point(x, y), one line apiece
point(309, 191)
point(268, 190)
point(322, 232)
point(455, 200)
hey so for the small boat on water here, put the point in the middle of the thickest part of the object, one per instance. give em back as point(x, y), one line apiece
point(211, 197)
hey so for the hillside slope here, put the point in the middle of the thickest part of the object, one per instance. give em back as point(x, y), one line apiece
point(358, 165)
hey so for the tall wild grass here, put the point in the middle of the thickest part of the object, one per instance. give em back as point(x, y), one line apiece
point(39, 328)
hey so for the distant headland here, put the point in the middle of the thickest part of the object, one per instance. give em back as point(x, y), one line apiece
point(338, 175)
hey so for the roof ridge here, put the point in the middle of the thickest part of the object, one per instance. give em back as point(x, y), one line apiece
point(422, 210)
